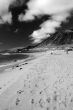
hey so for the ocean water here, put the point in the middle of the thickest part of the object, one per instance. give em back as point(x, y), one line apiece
point(12, 58)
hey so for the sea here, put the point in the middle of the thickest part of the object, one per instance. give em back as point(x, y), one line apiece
point(12, 58)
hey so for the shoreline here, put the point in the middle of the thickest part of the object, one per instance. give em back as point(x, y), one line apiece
point(3, 66)
point(14, 63)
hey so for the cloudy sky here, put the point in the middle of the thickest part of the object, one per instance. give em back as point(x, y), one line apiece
point(24, 22)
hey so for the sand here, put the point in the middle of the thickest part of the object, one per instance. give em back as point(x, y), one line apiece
point(44, 83)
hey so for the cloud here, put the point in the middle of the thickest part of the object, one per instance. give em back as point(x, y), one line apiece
point(5, 6)
point(17, 3)
point(5, 15)
point(7, 18)
point(59, 10)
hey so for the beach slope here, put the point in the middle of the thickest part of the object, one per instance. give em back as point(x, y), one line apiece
point(44, 83)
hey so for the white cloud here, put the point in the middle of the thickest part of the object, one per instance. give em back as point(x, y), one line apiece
point(5, 16)
point(59, 10)
point(49, 7)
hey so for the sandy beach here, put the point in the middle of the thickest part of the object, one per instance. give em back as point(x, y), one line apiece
point(43, 83)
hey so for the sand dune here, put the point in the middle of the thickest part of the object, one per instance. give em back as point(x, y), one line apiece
point(44, 83)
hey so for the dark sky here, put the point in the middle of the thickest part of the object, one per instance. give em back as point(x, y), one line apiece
point(17, 34)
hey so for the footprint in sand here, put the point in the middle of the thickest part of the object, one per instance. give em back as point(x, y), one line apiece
point(0, 88)
point(21, 68)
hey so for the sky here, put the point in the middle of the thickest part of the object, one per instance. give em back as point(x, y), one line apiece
point(25, 22)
